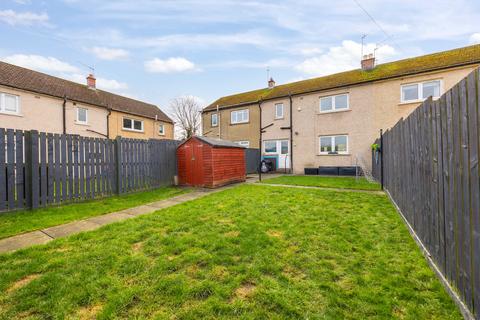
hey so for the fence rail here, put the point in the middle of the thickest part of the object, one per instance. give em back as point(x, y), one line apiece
point(431, 171)
point(40, 169)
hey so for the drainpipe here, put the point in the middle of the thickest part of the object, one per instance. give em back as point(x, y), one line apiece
point(108, 121)
point(291, 132)
point(260, 142)
point(218, 123)
point(64, 107)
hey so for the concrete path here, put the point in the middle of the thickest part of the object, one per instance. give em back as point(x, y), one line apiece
point(45, 235)
point(320, 188)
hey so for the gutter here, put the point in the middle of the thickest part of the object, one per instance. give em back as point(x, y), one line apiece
point(64, 116)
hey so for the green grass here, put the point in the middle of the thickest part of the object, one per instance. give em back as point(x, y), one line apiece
point(326, 182)
point(251, 252)
point(27, 220)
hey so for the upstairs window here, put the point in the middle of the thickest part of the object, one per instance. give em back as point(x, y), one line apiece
point(334, 144)
point(239, 116)
point(161, 129)
point(214, 120)
point(334, 103)
point(420, 91)
point(9, 103)
point(279, 111)
point(82, 115)
point(132, 125)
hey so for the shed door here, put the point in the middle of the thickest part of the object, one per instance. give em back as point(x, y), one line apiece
point(195, 164)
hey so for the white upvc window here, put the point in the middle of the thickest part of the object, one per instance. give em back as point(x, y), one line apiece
point(279, 111)
point(420, 91)
point(9, 103)
point(214, 120)
point(337, 102)
point(270, 146)
point(239, 116)
point(243, 143)
point(82, 115)
point(161, 129)
point(132, 125)
point(333, 144)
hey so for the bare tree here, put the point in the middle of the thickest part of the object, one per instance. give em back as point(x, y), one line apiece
point(186, 112)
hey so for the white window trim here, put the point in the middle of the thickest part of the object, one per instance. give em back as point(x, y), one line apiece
point(420, 91)
point(243, 143)
point(2, 104)
point(163, 129)
point(211, 120)
point(283, 111)
point(239, 122)
point(334, 108)
point(332, 141)
point(265, 149)
point(86, 116)
point(133, 127)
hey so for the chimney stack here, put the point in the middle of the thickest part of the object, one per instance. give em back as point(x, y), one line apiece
point(368, 62)
point(91, 81)
point(271, 83)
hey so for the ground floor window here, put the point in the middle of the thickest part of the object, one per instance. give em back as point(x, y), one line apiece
point(270, 146)
point(334, 144)
point(243, 143)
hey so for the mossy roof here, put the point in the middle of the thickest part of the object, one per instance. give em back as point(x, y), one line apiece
point(426, 63)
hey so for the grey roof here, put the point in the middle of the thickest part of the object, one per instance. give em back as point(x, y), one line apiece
point(220, 143)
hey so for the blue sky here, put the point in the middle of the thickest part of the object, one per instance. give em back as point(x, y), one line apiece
point(157, 50)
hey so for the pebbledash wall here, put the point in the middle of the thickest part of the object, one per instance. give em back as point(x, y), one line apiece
point(372, 107)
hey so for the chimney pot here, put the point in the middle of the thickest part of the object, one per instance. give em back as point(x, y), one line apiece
point(91, 81)
point(368, 62)
point(271, 83)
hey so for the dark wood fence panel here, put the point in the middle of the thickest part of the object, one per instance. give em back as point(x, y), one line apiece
point(41, 169)
point(430, 169)
point(252, 160)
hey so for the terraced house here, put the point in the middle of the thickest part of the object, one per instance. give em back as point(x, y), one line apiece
point(31, 100)
point(333, 120)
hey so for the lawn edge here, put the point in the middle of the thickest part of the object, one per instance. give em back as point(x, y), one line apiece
point(464, 310)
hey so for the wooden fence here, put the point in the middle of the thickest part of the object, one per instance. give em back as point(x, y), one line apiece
point(430, 166)
point(40, 169)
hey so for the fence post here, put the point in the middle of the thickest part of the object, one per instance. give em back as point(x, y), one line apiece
point(118, 164)
point(381, 158)
point(31, 169)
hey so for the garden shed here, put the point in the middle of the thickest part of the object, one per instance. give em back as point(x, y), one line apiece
point(209, 162)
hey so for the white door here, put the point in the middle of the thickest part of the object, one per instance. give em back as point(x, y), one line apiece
point(280, 150)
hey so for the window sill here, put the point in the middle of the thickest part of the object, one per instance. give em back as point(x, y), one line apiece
point(282, 118)
point(132, 130)
point(333, 155)
point(82, 124)
point(415, 101)
point(239, 123)
point(334, 111)
point(11, 114)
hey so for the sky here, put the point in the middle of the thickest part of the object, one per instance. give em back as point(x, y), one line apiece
point(158, 50)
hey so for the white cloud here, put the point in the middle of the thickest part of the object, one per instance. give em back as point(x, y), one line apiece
point(23, 18)
point(170, 65)
point(102, 83)
point(40, 63)
point(475, 38)
point(342, 58)
point(109, 53)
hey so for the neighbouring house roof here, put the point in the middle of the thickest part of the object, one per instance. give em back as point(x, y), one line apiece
point(216, 143)
point(431, 62)
point(29, 80)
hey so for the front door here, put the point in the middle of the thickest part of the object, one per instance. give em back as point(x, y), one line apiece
point(280, 150)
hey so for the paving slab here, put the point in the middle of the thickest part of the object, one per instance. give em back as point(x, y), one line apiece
point(70, 228)
point(137, 211)
point(109, 218)
point(163, 204)
point(23, 240)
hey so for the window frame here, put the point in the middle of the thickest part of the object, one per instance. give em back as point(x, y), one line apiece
point(420, 90)
point(334, 107)
point(216, 120)
point(238, 111)
point(265, 147)
point(78, 121)
point(133, 124)
point(276, 110)
point(2, 104)
point(332, 145)
point(161, 125)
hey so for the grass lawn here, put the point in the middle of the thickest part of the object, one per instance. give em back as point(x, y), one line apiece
point(250, 252)
point(326, 182)
point(27, 220)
